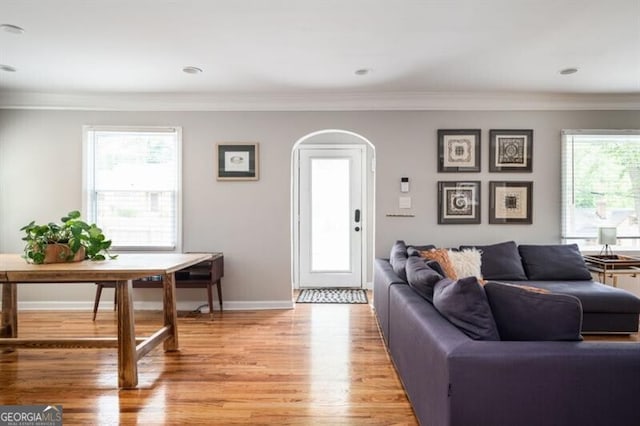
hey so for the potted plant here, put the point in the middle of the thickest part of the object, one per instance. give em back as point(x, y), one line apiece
point(70, 241)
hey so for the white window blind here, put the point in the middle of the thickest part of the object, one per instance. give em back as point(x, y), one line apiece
point(601, 186)
point(132, 181)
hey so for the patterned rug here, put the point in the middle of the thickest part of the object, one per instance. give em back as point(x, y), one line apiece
point(332, 295)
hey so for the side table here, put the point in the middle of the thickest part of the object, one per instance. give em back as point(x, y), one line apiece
point(612, 266)
point(205, 274)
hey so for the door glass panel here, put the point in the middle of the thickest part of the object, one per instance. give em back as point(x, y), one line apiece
point(330, 214)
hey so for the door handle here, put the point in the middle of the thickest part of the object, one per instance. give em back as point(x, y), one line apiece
point(357, 218)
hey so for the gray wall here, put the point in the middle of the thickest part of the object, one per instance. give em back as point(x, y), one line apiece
point(40, 179)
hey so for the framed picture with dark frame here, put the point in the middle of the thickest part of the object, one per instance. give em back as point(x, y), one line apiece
point(458, 150)
point(510, 150)
point(237, 161)
point(458, 202)
point(510, 202)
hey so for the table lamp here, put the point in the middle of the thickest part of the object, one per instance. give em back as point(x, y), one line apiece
point(607, 235)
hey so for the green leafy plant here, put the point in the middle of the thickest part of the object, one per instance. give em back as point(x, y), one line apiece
point(73, 232)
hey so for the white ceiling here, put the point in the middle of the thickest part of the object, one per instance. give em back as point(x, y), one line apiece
point(298, 52)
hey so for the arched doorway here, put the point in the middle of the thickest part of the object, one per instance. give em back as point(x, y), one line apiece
point(332, 210)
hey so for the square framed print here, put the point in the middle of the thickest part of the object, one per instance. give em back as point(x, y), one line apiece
point(458, 202)
point(510, 202)
point(237, 161)
point(459, 150)
point(510, 150)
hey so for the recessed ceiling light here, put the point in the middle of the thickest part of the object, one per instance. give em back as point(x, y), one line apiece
point(13, 29)
point(192, 70)
point(568, 71)
point(363, 71)
point(7, 68)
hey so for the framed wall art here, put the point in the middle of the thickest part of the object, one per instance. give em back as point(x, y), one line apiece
point(510, 202)
point(458, 202)
point(237, 161)
point(459, 150)
point(510, 150)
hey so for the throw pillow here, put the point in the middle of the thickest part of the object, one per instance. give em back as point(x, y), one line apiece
point(500, 261)
point(523, 314)
point(466, 263)
point(421, 277)
point(423, 247)
point(442, 257)
point(464, 303)
point(398, 258)
point(554, 262)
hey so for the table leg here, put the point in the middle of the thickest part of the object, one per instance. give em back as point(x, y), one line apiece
point(220, 294)
point(127, 359)
point(9, 322)
point(210, 300)
point(170, 312)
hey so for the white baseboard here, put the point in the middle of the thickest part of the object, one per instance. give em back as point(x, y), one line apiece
point(156, 306)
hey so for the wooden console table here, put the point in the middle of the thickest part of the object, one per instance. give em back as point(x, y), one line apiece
point(201, 275)
point(124, 269)
point(612, 266)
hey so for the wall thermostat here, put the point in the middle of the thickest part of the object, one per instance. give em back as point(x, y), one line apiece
point(404, 184)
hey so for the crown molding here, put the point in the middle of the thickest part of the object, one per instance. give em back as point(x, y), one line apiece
point(386, 101)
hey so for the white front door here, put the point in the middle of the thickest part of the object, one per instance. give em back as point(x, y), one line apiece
point(331, 217)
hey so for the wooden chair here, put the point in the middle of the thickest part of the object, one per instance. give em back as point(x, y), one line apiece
point(202, 275)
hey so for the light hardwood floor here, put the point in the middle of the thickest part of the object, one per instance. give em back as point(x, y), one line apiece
point(315, 364)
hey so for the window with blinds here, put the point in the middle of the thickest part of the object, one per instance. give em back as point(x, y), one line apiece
point(601, 186)
point(133, 185)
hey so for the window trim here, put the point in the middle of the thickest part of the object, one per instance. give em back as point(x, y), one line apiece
point(566, 190)
point(88, 179)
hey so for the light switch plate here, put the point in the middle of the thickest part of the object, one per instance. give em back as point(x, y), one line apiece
point(404, 202)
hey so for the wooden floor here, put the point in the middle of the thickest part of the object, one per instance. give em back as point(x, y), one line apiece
point(629, 338)
point(315, 364)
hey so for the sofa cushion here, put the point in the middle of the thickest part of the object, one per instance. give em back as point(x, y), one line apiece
point(421, 277)
point(464, 303)
point(523, 314)
point(467, 263)
point(435, 266)
point(594, 297)
point(442, 257)
point(398, 258)
point(553, 262)
point(412, 251)
point(500, 261)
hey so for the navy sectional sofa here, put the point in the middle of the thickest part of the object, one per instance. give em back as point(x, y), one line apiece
point(454, 380)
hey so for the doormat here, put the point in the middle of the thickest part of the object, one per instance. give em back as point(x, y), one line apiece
point(332, 295)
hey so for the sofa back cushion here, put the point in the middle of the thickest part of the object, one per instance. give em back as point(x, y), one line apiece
point(554, 262)
point(464, 303)
point(524, 313)
point(421, 277)
point(398, 258)
point(500, 261)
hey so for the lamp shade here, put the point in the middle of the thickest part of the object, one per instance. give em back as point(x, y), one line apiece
point(607, 235)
